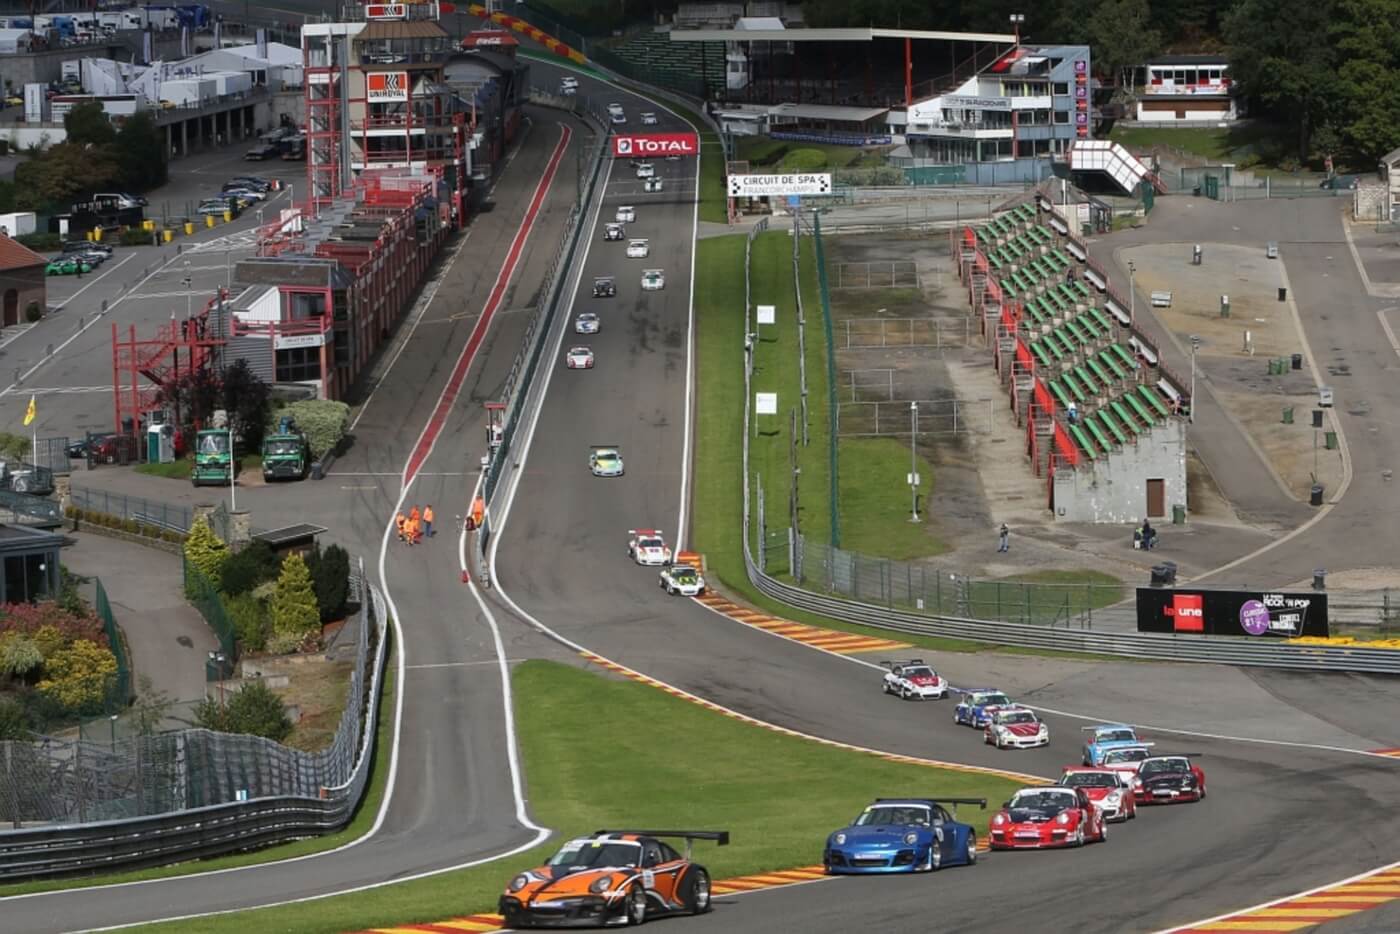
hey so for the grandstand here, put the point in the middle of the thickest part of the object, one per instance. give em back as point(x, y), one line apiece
point(674, 64)
point(1103, 417)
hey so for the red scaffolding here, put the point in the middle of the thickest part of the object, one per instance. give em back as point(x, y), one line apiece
point(141, 369)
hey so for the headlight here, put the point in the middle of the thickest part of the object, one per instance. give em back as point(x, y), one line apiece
point(998, 820)
point(911, 838)
point(1044, 729)
point(839, 839)
point(600, 884)
point(1062, 818)
point(518, 883)
point(1113, 798)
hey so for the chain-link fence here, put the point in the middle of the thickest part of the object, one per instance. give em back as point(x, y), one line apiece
point(832, 407)
point(59, 781)
point(118, 693)
point(205, 597)
point(171, 516)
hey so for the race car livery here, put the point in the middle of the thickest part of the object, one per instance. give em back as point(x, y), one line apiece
point(587, 323)
point(638, 249)
point(579, 358)
point(1105, 736)
point(647, 547)
point(653, 280)
point(605, 462)
point(903, 835)
point(972, 706)
point(1110, 789)
point(604, 287)
point(682, 579)
point(614, 232)
point(914, 680)
point(1047, 816)
point(646, 170)
point(1015, 728)
point(652, 184)
point(612, 877)
point(1169, 780)
point(626, 214)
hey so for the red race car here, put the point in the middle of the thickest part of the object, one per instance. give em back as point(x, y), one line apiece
point(1048, 816)
point(1110, 789)
point(1169, 780)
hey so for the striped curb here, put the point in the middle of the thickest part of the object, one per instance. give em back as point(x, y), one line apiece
point(832, 640)
point(1314, 908)
point(539, 35)
point(1392, 753)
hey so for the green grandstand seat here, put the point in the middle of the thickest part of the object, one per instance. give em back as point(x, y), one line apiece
point(1117, 407)
point(1111, 423)
point(1083, 441)
point(1139, 409)
point(1075, 389)
point(1055, 302)
point(1033, 311)
point(1155, 400)
point(993, 261)
point(1102, 319)
point(1124, 357)
point(1058, 392)
point(1053, 346)
point(1097, 434)
point(1081, 288)
point(1090, 384)
point(1099, 373)
point(981, 233)
point(1026, 211)
point(1107, 362)
point(1040, 354)
point(1087, 322)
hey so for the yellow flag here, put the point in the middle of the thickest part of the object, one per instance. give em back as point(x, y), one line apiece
point(30, 412)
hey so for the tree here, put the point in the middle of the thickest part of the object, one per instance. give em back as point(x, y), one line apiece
point(13, 722)
point(150, 708)
point(244, 571)
point(193, 397)
point(1123, 38)
point(323, 420)
point(76, 677)
point(294, 610)
point(330, 576)
point(254, 709)
point(88, 125)
point(64, 173)
point(1280, 57)
point(246, 398)
point(250, 621)
point(140, 153)
point(205, 550)
point(1367, 38)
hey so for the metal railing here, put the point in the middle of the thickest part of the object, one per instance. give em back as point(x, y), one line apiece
point(833, 407)
point(170, 516)
point(150, 800)
point(201, 592)
point(29, 510)
point(119, 692)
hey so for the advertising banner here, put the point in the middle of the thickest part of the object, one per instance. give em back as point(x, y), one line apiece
point(655, 145)
point(778, 186)
point(387, 85)
point(1232, 612)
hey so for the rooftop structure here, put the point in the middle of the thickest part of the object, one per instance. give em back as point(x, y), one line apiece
point(1187, 89)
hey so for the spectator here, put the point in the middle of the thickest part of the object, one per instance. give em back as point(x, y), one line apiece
point(1149, 535)
point(1004, 539)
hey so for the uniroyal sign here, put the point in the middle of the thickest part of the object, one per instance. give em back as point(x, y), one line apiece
point(646, 145)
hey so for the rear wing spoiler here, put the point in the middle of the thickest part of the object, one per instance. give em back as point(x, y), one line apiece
point(603, 447)
point(1106, 726)
point(1182, 755)
point(720, 837)
point(980, 802)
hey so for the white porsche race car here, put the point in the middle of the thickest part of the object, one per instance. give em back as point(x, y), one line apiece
point(605, 462)
point(1015, 728)
point(638, 249)
point(914, 680)
point(682, 579)
point(587, 323)
point(579, 358)
point(646, 170)
point(653, 280)
point(647, 547)
point(652, 184)
point(614, 232)
point(648, 118)
point(626, 214)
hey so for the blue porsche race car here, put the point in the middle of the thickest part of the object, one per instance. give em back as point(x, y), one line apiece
point(972, 706)
point(903, 835)
point(1105, 736)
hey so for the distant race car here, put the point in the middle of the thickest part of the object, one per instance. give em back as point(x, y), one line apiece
point(614, 232)
point(604, 287)
point(971, 709)
point(626, 214)
point(1105, 736)
point(648, 118)
point(1048, 816)
point(914, 680)
point(646, 170)
point(638, 249)
point(652, 184)
point(1015, 728)
point(1110, 789)
point(579, 358)
point(619, 118)
point(682, 579)
point(903, 835)
point(605, 462)
point(647, 547)
point(653, 280)
point(587, 323)
point(568, 85)
point(1169, 780)
point(609, 878)
point(1126, 759)
point(66, 266)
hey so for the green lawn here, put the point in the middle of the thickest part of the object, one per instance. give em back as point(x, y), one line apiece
point(875, 500)
point(760, 151)
point(359, 824)
point(1258, 147)
point(180, 469)
point(731, 774)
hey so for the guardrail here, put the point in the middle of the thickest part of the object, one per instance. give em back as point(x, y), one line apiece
point(198, 832)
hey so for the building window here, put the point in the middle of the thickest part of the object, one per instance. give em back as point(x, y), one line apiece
point(1062, 116)
point(298, 365)
point(1061, 87)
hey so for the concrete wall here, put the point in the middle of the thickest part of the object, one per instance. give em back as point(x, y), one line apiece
point(1113, 489)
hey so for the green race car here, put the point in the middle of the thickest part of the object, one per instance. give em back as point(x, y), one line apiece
point(66, 266)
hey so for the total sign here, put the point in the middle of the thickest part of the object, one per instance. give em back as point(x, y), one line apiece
point(652, 145)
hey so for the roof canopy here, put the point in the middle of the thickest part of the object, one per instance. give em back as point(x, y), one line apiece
point(828, 112)
point(858, 34)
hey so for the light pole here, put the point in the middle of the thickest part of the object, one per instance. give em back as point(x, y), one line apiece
point(1132, 292)
point(1195, 346)
point(232, 470)
point(188, 280)
point(1016, 20)
point(218, 658)
point(914, 462)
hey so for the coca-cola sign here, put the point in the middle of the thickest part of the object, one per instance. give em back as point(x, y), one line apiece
point(652, 145)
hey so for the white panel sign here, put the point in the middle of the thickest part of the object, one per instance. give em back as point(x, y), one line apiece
point(978, 103)
point(767, 314)
point(293, 341)
point(771, 186)
point(765, 403)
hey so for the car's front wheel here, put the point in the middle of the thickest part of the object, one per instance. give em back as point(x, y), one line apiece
point(636, 905)
point(935, 855)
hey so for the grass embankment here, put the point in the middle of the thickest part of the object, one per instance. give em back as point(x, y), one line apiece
point(731, 772)
point(762, 152)
point(180, 469)
point(1254, 146)
point(359, 824)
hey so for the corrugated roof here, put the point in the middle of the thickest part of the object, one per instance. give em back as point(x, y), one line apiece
point(15, 255)
point(413, 29)
point(828, 112)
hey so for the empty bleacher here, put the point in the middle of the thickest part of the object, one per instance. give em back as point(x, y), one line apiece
point(680, 61)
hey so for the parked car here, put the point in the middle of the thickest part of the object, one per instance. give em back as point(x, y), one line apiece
point(261, 152)
point(86, 246)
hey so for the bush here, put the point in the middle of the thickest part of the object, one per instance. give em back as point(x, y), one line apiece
point(801, 159)
point(76, 677)
point(251, 621)
point(204, 550)
point(294, 609)
point(135, 236)
point(324, 422)
point(15, 447)
point(330, 577)
point(284, 643)
point(42, 242)
point(33, 312)
point(254, 710)
point(19, 655)
point(39, 619)
point(13, 723)
point(254, 565)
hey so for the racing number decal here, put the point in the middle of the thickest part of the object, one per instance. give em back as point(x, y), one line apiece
point(648, 879)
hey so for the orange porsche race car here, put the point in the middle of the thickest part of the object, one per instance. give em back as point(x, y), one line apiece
point(612, 877)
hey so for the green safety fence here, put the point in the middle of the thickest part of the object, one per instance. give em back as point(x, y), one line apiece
point(205, 597)
point(119, 690)
point(831, 406)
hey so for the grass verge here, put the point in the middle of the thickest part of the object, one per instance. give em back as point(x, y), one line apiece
point(180, 469)
point(359, 824)
point(731, 773)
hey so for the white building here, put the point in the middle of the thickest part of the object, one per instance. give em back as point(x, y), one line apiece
point(1187, 89)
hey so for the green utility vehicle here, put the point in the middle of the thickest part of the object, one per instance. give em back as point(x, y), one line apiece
point(213, 458)
point(286, 455)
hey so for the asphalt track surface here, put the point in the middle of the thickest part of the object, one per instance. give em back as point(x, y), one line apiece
point(1278, 818)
